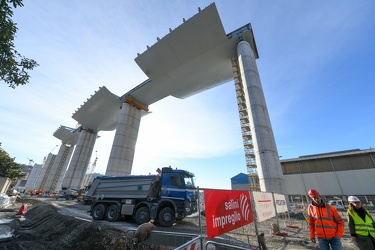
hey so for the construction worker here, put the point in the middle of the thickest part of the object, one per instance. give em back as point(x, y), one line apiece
point(325, 223)
point(361, 225)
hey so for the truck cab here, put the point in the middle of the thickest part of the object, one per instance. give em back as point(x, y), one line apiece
point(179, 186)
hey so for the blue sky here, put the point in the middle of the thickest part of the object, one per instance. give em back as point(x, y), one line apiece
point(317, 67)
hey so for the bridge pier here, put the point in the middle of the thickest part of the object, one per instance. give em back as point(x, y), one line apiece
point(266, 155)
point(75, 175)
point(123, 148)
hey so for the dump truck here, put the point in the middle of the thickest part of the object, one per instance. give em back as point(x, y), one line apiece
point(165, 197)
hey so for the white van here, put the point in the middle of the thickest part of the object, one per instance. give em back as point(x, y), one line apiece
point(338, 204)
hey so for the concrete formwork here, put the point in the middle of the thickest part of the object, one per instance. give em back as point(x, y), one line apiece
point(123, 148)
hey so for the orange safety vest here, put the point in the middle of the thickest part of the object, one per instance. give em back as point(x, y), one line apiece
point(325, 222)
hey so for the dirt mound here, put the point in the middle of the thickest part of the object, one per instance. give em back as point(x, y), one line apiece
point(44, 228)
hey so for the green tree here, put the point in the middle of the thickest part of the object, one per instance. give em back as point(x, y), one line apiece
point(9, 168)
point(14, 67)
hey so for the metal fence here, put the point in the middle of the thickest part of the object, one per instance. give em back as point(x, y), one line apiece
point(185, 241)
point(251, 236)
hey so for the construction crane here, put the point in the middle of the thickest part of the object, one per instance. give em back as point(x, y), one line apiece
point(45, 157)
point(54, 149)
point(90, 171)
point(30, 161)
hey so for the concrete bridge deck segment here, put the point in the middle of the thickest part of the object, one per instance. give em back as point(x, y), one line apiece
point(66, 135)
point(194, 57)
point(100, 111)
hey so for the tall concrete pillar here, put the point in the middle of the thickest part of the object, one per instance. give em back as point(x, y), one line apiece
point(34, 176)
point(80, 160)
point(58, 169)
point(266, 156)
point(45, 171)
point(123, 148)
point(67, 155)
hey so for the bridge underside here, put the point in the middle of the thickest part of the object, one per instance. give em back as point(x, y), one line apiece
point(192, 58)
point(66, 135)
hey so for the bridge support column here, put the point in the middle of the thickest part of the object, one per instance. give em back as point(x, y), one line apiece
point(58, 169)
point(80, 160)
point(46, 169)
point(123, 148)
point(266, 155)
point(33, 177)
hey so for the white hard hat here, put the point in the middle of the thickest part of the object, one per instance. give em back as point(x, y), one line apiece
point(353, 198)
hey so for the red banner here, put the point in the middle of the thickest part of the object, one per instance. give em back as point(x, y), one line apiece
point(226, 210)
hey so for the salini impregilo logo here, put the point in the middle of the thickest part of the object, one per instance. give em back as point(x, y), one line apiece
point(245, 207)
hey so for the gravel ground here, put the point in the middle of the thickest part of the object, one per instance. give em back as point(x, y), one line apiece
point(42, 227)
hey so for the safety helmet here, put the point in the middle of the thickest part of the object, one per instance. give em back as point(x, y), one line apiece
point(353, 198)
point(313, 193)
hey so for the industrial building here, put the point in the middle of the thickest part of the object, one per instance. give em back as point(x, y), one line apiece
point(335, 175)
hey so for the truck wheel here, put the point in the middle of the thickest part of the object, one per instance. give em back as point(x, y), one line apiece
point(113, 213)
point(166, 217)
point(98, 211)
point(142, 215)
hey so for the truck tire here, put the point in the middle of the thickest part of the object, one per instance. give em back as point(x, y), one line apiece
point(166, 217)
point(113, 213)
point(142, 215)
point(98, 212)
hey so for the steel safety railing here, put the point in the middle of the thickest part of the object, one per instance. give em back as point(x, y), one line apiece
point(223, 246)
point(164, 238)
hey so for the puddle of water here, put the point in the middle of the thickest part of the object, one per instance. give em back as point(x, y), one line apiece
point(21, 218)
point(5, 221)
point(5, 232)
point(6, 235)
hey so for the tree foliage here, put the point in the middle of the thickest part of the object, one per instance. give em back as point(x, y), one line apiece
point(8, 167)
point(14, 67)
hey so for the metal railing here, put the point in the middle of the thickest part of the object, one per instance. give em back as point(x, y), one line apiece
point(163, 238)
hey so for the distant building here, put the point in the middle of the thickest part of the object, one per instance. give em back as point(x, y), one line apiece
point(240, 182)
point(336, 175)
point(21, 182)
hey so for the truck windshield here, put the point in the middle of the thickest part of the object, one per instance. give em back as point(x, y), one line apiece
point(189, 182)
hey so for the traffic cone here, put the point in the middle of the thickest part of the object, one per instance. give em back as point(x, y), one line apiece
point(23, 210)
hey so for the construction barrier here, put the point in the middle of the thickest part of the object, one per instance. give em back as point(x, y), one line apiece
point(233, 217)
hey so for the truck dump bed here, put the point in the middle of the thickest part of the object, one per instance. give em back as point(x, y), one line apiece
point(130, 187)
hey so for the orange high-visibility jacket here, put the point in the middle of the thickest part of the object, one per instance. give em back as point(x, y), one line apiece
point(325, 222)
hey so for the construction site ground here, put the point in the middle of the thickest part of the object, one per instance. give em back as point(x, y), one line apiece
point(47, 226)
